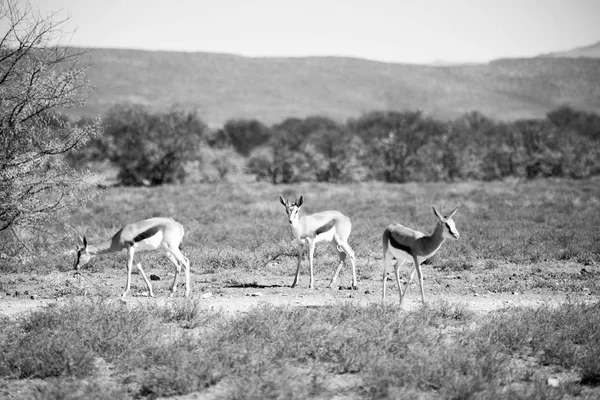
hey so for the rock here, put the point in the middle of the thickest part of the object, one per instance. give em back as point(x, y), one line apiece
point(33, 297)
point(553, 382)
point(255, 294)
point(206, 295)
point(154, 277)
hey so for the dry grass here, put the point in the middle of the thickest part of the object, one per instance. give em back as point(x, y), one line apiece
point(535, 237)
point(441, 351)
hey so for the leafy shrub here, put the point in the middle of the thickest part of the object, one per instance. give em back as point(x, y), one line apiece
point(243, 135)
point(217, 165)
point(151, 149)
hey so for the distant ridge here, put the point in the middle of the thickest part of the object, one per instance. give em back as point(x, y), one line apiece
point(591, 51)
point(222, 86)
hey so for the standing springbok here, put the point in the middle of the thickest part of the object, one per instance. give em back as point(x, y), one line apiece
point(327, 226)
point(404, 244)
point(146, 235)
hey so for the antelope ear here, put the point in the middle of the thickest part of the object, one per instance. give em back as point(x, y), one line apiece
point(300, 201)
point(452, 213)
point(282, 201)
point(438, 215)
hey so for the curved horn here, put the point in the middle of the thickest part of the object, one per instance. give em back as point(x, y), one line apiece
point(452, 213)
point(437, 214)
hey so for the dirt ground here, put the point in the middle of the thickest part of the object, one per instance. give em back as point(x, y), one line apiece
point(231, 293)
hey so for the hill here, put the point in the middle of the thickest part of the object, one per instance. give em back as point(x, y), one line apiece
point(221, 87)
point(591, 51)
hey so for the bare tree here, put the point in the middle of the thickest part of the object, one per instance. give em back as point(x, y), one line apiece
point(39, 77)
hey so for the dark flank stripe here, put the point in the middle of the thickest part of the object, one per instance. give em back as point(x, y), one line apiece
point(397, 245)
point(325, 227)
point(146, 234)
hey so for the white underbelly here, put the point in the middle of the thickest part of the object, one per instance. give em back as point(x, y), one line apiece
point(325, 236)
point(399, 255)
point(151, 243)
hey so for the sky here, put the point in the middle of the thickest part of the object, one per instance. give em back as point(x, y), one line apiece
point(403, 31)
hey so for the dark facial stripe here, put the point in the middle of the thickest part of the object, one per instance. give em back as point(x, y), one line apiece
point(325, 227)
point(449, 229)
point(397, 245)
point(146, 234)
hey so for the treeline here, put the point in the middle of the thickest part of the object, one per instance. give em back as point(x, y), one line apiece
point(392, 146)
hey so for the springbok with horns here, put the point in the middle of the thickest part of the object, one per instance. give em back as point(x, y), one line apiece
point(404, 244)
point(327, 226)
point(147, 235)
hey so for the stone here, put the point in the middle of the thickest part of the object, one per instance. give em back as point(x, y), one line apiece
point(553, 382)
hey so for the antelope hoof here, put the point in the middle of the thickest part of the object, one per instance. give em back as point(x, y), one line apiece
point(125, 294)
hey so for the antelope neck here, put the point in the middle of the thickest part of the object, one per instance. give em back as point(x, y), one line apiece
point(102, 248)
point(295, 225)
point(432, 242)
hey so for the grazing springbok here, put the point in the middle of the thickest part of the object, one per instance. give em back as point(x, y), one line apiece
point(146, 235)
point(327, 226)
point(404, 244)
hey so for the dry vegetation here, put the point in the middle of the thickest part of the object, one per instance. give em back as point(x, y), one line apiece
point(519, 240)
point(272, 89)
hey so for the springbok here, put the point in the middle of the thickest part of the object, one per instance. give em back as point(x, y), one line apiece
point(146, 235)
point(327, 226)
point(405, 244)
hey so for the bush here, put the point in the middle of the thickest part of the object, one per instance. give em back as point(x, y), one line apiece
point(65, 341)
point(217, 165)
point(151, 149)
point(36, 182)
point(243, 135)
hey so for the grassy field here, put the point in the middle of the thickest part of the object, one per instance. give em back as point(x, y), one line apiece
point(519, 240)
